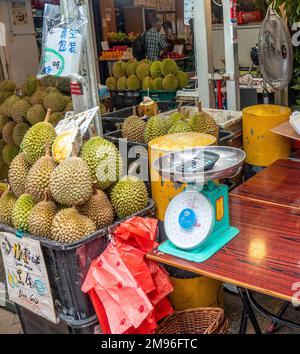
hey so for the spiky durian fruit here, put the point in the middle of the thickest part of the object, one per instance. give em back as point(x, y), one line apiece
point(55, 101)
point(133, 129)
point(202, 122)
point(9, 152)
point(3, 121)
point(36, 114)
point(19, 132)
point(19, 110)
point(34, 142)
point(180, 127)
point(38, 97)
point(8, 103)
point(98, 209)
point(38, 177)
point(156, 127)
point(17, 174)
point(129, 196)
point(71, 182)
point(21, 211)
point(7, 132)
point(41, 217)
point(7, 85)
point(30, 86)
point(104, 161)
point(69, 226)
point(7, 202)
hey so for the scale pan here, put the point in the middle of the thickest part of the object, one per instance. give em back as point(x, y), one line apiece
point(229, 164)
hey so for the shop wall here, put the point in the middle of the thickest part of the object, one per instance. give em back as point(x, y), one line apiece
point(21, 49)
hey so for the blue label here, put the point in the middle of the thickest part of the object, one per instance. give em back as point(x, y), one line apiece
point(187, 218)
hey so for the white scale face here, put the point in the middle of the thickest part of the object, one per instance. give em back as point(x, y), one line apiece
point(189, 219)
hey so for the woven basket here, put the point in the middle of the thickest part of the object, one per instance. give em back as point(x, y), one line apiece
point(204, 320)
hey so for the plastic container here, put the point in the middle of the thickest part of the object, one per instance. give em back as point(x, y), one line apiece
point(34, 324)
point(159, 95)
point(261, 146)
point(121, 99)
point(67, 266)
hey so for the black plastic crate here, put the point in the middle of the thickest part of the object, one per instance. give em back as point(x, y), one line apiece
point(35, 324)
point(121, 99)
point(112, 121)
point(67, 266)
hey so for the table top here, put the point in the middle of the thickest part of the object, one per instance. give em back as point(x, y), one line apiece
point(285, 129)
point(277, 184)
point(264, 257)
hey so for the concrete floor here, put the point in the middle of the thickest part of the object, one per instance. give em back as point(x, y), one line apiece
point(9, 323)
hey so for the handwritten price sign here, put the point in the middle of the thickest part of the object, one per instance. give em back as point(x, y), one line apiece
point(26, 275)
point(61, 55)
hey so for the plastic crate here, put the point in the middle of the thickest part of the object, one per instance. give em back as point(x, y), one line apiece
point(34, 324)
point(121, 99)
point(159, 95)
point(67, 266)
point(112, 121)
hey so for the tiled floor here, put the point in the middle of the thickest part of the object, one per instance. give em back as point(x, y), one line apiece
point(9, 323)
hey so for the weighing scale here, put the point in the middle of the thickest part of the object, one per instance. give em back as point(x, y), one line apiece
point(197, 220)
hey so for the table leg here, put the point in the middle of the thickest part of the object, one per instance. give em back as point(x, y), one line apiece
point(244, 322)
point(280, 313)
point(249, 311)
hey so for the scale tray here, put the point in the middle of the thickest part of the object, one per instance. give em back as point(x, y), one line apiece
point(230, 162)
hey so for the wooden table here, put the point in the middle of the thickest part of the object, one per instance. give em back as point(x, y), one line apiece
point(265, 256)
point(285, 129)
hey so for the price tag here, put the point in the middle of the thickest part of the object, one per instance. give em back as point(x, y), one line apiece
point(26, 275)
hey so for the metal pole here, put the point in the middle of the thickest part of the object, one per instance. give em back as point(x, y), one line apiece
point(231, 56)
point(203, 51)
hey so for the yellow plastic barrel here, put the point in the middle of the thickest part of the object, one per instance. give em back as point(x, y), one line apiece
point(261, 146)
point(164, 191)
point(188, 292)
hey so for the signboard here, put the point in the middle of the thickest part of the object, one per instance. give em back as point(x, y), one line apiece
point(62, 52)
point(26, 275)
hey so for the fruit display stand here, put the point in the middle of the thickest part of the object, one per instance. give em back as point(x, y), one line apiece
point(159, 95)
point(67, 266)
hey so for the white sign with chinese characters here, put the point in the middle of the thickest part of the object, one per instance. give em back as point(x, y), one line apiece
point(26, 275)
point(62, 52)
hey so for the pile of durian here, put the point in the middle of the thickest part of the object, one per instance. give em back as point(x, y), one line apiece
point(146, 75)
point(135, 129)
point(23, 109)
point(68, 201)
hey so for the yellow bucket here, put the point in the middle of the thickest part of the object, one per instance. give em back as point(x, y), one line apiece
point(261, 146)
point(196, 292)
point(164, 191)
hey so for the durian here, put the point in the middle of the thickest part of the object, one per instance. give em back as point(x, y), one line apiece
point(129, 196)
point(56, 117)
point(55, 102)
point(119, 69)
point(38, 97)
point(147, 83)
point(18, 171)
point(7, 202)
point(133, 83)
point(202, 122)
point(98, 209)
point(168, 66)
point(157, 84)
point(8, 103)
point(69, 226)
point(7, 132)
point(21, 211)
point(36, 114)
point(133, 128)
point(9, 152)
point(41, 217)
point(155, 69)
point(7, 85)
point(104, 161)
point(174, 118)
point(180, 127)
point(19, 132)
point(170, 83)
point(19, 110)
point(111, 83)
point(33, 144)
point(122, 83)
point(30, 86)
point(38, 177)
point(182, 79)
point(3, 121)
point(156, 127)
point(131, 67)
point(4, 95)
point(71, 182)
point(142, 71)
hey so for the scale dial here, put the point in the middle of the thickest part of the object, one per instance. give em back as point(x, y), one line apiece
point(189, 219)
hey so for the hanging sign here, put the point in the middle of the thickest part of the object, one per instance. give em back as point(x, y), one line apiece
point(233, 12)
point(62, 52)
point(26, 275)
